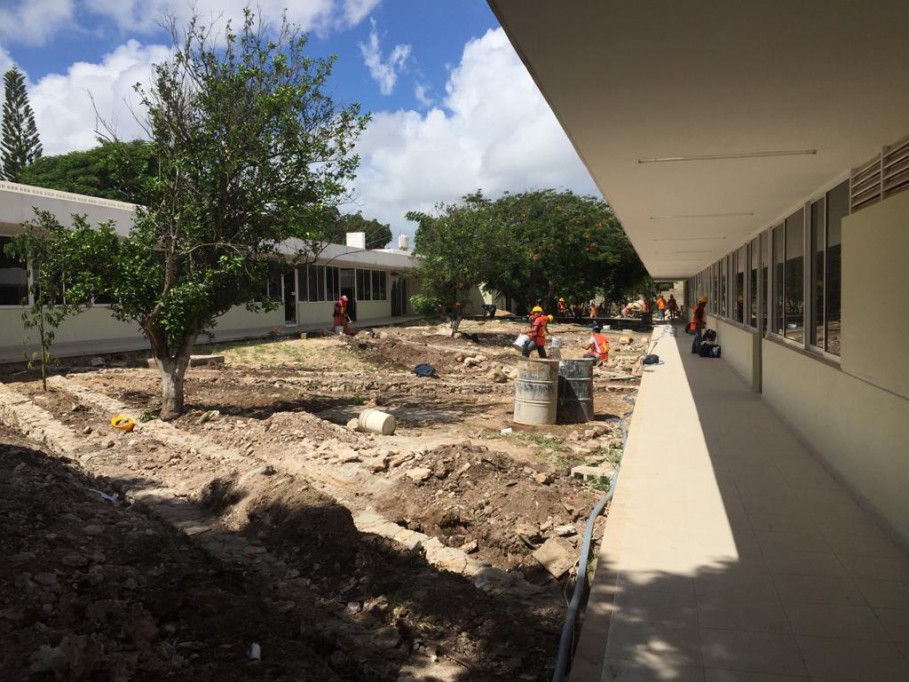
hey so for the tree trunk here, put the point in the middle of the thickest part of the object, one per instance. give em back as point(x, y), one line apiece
point(173, 371)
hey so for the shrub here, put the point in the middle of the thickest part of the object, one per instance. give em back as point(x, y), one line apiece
point(427, 306)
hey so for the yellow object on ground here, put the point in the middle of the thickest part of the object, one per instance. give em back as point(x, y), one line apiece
point(122, 422)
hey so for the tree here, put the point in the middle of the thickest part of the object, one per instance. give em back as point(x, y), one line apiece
point(49, 307)
point(19, 145)
point(377, 234)
point(112, 170)
point(251, 154)
point(457, 247)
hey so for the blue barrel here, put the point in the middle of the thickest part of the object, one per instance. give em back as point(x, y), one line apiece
point(536, 391)
point(575, 404)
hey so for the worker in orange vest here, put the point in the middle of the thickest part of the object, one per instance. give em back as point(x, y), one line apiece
point(661, 306)
point(597, 346)
point(537, 333)
point(698, 322)
point(340, 317)
point(563, 309)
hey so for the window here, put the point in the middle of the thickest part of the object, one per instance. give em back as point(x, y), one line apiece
point(837, 209)
point(740, 259)
point(379, 291)
point(315, 282)
point(724, 273)
point(364, 285)
point(13, 278)
point(332, 284)
point(302, 284)
point(755, 268)
point(779, 263)
point(794, 277)
point(817, 237)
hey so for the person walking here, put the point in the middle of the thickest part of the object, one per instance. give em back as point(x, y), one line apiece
point(661, 307)
point(673, 307)
point(597, 345)
point(698, 322)
point(562, 308)
point(537, 333)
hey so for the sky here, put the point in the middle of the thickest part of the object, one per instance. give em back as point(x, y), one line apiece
point(453, 108)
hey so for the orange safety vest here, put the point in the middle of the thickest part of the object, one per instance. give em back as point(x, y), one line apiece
point(697, 317)
point(538, 331)
point(602, 346)
point(661, 303)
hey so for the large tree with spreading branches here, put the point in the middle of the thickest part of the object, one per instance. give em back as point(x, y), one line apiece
point(251, 152)
point(19, 143)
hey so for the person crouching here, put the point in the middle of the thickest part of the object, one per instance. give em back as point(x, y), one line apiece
point(537, 333)
point(597, 345)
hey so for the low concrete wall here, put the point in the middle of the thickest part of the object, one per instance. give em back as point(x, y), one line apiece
point(861, 431)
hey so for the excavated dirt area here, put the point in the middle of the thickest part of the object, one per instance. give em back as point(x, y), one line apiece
point(300, 533)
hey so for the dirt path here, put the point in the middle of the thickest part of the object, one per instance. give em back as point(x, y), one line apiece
point(268, 477)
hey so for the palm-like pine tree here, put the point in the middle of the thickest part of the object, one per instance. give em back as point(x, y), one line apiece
point(19, 145)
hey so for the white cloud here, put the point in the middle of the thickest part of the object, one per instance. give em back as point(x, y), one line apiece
point(63, 104)
point(385, 73)
point(33, 22)
point(496, 133)
point(5, 60)
point(421, 92)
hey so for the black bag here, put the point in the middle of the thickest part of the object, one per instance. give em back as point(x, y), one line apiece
point(709, 336)
point(651, 359)
point(705, 350)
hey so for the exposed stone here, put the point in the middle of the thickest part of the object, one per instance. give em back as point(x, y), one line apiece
point(557, 556)
point(543, 477)
point(418, 474)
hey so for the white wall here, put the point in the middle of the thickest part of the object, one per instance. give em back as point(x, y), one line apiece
point(861, 431)
point(738, 348)
point(875, 319)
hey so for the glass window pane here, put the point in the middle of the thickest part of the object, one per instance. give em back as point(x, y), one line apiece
point(378, 285)
point(364, 288)
point(302, 284)
point(837, 209)
point(817, 274)
point(332, 284)
point(740, 262)
point(779, 262)
point(753, 289)
point(795, 269)
point(13, 277)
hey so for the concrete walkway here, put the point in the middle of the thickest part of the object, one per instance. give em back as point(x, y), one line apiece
point(731, 554)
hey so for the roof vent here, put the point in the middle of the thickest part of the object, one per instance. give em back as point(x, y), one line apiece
point(356, 239)
point(403, 242)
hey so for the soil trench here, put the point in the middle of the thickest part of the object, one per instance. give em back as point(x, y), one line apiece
point(408, 556)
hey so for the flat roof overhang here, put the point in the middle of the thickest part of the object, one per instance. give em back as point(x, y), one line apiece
point(633, 82)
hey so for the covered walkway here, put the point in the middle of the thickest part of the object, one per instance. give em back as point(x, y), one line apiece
point(731, 553)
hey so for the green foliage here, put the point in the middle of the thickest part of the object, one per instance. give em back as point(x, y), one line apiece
point(20, 144)
point(377, 234)
point(47, 286)
point(532, 246)
point(600, 483)
point(251, 155)
point(113, 170)
point(426, 306)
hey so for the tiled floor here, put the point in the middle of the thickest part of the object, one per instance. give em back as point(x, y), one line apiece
point(731, 554)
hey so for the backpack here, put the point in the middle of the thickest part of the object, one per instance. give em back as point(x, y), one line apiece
point(709, 350)
point(709, 335)
point(651, 359)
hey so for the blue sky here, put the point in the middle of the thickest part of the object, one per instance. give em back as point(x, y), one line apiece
point(453, 107)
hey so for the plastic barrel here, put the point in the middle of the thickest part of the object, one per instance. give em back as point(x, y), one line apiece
point(376, 421)
point(536, 391)
point(575, 404)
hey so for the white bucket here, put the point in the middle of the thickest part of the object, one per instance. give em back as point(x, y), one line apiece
point(521, 340)
point(376, 421)
point(339, 330)
point(555, 343)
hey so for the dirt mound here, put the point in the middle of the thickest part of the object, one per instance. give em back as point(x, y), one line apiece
point(479, 500)
point(92, 590)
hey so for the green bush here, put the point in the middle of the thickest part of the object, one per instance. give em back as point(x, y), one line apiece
point(427, 306)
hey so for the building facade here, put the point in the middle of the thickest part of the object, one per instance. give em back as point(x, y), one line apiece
point(378, 281)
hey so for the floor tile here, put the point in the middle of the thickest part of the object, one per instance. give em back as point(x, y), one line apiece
point(826, 620)
point(735, 612)
point(646, 643)
point(752, 652)
point(783, 542)
point(896, 623)
point(716, 675)
point(622, 671)
point(853, 659)
point(890, 594)
point(879, 568)
point(806, 563)
point(818, 590)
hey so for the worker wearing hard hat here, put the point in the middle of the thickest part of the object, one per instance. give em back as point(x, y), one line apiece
point(536, 333)
point(698, 322)
point(562, 308)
